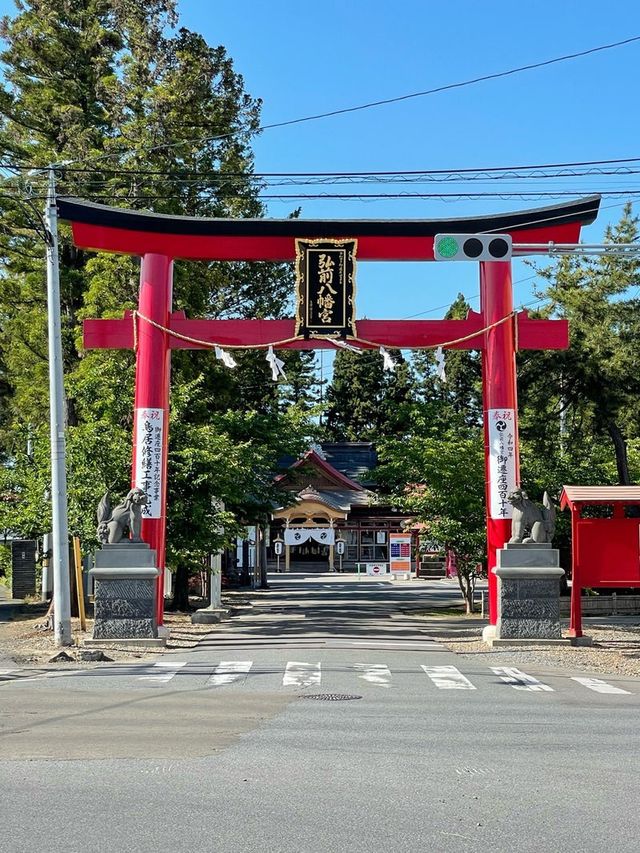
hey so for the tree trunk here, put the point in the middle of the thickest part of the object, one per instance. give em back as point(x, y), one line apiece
point(180, 599)
point(467, 588)
point(620, 447)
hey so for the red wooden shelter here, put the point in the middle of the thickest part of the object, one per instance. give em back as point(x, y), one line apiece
point(605, 526)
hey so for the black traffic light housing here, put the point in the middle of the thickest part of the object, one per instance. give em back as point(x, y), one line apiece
point(472, 247)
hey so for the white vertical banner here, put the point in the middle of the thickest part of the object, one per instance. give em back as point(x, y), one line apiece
point(502, 461)
point(148, 473)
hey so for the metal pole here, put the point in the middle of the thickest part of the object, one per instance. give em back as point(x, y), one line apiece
point(61, 586)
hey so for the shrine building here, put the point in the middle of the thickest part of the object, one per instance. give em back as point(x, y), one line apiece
point(328, 496)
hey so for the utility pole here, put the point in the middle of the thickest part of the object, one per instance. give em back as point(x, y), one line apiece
point(61, 585)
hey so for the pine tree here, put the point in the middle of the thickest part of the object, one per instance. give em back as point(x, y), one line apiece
point(140, 114)
point(457, 399)
point(365, 402)
point(586, 398)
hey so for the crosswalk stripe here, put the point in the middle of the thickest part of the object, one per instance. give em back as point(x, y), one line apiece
point(229, 671)
point(448, 678)
point(163, 672)
point(300, 674)
point(520, 680)
point(375, 673)
point(599, 686)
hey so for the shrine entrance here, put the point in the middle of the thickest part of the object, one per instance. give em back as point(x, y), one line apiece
point(325, 254)
point(308, 532)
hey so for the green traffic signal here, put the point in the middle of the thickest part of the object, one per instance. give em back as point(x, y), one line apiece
point(447, 247)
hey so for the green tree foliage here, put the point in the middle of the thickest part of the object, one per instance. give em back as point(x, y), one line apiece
point(440, 477)
point(579, 407)
point(366, 402)
point(141, 114)
point(459, 398)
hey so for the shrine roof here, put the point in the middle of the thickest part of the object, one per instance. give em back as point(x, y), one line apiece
point(314, 458)
point(344, 497)
point(572, 495)
point(355, 459)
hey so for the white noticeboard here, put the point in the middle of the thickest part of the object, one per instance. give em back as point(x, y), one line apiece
point(376, 568)
point(148, 473)
point(502, 461)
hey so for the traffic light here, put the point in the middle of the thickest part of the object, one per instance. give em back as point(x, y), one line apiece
point(472, 247)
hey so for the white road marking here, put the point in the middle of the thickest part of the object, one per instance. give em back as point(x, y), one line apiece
point(6, 671)
point(448, 678)
point(429, 644)
point(520, 680)
point(375, 673)
point(166, 671)
point(229, 671)
point(300, 674)
point(599, 686)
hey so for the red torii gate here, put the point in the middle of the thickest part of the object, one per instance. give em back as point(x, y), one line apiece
point(159, 239)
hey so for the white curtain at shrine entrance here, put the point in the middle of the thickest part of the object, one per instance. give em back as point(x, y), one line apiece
point(300, 535)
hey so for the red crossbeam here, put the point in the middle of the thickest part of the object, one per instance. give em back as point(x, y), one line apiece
point(401, 334)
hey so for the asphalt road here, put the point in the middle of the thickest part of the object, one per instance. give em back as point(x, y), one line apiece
point(223, 748)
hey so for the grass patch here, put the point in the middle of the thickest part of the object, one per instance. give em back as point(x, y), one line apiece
point(446, 613)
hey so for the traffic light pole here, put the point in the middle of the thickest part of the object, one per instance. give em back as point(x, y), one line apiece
point(499, 399)
point(60, 526)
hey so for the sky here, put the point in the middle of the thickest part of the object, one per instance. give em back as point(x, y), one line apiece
point(307, 58)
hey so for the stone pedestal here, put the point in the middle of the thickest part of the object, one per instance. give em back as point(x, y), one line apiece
point(528, 593)
point(209, 615)
point(125, 578)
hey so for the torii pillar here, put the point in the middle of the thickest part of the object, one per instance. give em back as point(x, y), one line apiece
point(499, 396)
point(151, 406)
point(159, 239)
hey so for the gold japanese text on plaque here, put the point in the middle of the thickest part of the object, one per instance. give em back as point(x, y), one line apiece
point(325, 279)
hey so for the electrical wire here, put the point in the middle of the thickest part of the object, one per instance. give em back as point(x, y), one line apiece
point(371, 104)
point(568, 169)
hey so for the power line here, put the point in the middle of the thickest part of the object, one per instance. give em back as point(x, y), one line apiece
point(436, 90)
point(505, 194)
point(445, 88)
point(481, 171)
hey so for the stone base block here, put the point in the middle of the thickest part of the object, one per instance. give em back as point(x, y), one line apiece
point(149, 643)
point(528, 594)
point(209, 615)
point(125, 593)
point(498, 642)
point(123, 629)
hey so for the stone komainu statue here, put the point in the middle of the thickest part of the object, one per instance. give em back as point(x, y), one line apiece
point(531, 523)
point(125, 518)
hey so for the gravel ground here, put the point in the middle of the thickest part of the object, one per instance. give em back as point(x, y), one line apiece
point(615, 651)
point(23, 643)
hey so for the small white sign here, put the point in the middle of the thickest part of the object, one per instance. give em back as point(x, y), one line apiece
point(148, 473)
point(376, 568)
point(502, 461)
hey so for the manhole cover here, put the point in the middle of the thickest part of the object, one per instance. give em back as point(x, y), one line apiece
point(331, 697)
